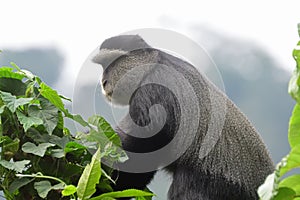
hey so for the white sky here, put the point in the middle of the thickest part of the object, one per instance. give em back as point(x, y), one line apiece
point(78, 27)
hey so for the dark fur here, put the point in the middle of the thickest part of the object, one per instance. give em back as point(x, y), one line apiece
point(234, 168)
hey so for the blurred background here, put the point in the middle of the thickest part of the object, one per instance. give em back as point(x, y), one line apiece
point(251, 43)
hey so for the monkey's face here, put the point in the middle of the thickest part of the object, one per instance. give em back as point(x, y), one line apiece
point(119, 80)
point(118, 85)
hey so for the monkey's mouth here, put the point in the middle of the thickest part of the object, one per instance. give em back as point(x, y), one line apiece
point(108, 95)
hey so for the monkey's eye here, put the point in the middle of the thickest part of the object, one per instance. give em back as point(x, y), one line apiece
point(104, 83)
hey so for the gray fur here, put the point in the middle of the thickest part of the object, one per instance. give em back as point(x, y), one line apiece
point(227, 163)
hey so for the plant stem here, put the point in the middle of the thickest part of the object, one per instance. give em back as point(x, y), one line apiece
point(40, 175)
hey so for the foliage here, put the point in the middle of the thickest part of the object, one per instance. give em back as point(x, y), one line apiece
point(39, 157)
point(277, 186)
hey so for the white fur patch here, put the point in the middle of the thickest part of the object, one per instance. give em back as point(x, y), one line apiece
point(107, 56)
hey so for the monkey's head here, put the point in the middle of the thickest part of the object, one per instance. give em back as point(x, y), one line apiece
point(117, 60)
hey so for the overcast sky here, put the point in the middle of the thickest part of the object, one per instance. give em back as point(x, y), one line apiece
point(78, 27)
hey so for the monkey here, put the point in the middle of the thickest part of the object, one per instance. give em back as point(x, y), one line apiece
point(174, 107)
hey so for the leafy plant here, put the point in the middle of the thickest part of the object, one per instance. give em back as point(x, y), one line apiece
point(276, 186)
point(39, 156)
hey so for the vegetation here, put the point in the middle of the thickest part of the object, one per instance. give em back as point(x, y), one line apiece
point(39, 156)
point(277, 186)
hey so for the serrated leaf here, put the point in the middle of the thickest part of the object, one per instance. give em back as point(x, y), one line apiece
point(294, 127)
point(7, 72)
point(28, 122)
point(39, 150)
point(17, 166)
point(90, 178)
point(105, 128)
point(48, 113)
point(78, 119)
point(73, 146)
point(12, 102)
point(52, 96)
point(59, 141)
point(124, 193)
point(293, 160)
point(69, 190)
point(18, 183)
point(292, 182)
point(285, 194)
point(43, 188)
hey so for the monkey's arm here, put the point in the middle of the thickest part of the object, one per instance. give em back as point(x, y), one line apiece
point(131, 179)
point(126, 180)
point(144, 129)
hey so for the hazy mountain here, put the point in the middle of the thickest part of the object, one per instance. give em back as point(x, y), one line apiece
point(44, 62)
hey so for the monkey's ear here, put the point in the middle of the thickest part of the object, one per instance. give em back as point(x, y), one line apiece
point(106, 56)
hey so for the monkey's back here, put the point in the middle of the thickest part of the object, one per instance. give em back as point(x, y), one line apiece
point(230, 164)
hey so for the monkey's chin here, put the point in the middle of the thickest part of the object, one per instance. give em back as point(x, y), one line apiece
point(117, 101)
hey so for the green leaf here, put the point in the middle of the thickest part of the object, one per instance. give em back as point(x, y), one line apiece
point(293, 87)
point(59, 186)
point(39, 150)
point(43, 188)
point(48, 113)
point(293, 160)
point(65, 98)
point(15, 66)
point(145, 197)
point(52, 96)
point(17, 166)
point(12, 102)
point(78, 119)
point(10, 145)
point(7, 72)
point(105, 128)
point(28, 122)
point(2, 109)
point(73, 146)
point(124, 193)
point(292, 182)
point(13, 86)
point(57, 153)
point(285, 194)
point(69, 190)
point(265, 191)
point(107, 176)
point(18, 183)
point(296, 54)
point(27, 74)
point(59, 141)
point(90, 178)
point(5, 139)
point(294, 127)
